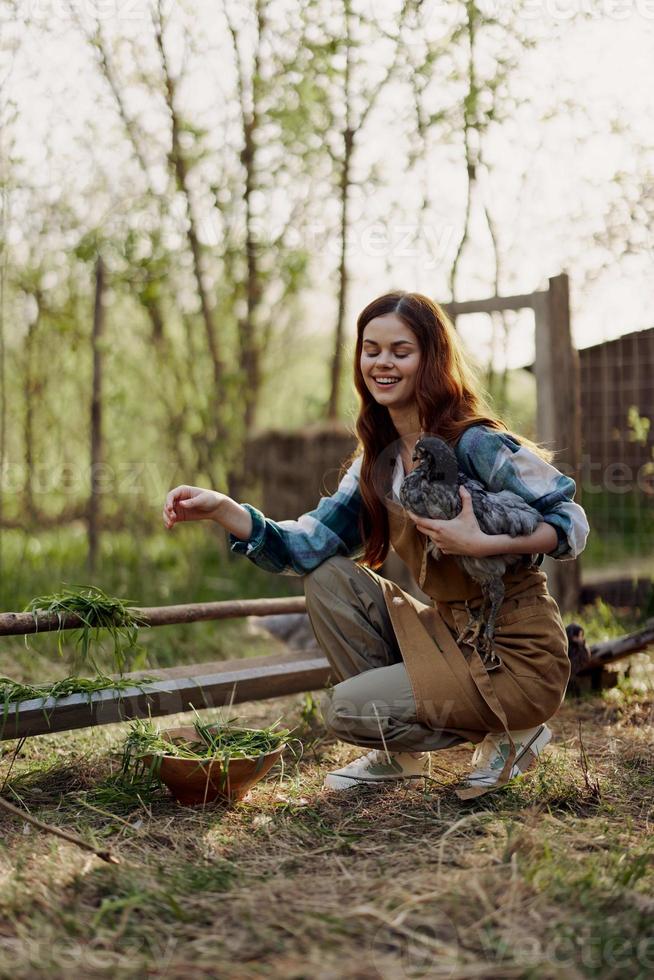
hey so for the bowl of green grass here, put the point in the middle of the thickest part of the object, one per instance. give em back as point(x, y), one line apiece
point(204, 763)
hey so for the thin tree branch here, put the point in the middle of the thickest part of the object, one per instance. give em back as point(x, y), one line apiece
point(104, 854)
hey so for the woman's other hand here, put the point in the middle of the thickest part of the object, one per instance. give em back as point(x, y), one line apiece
point(186, 503)
point(460, 536)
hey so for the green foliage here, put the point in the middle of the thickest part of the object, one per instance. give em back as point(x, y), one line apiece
point(601, 622)
point(639, 426)
point(122, 792)
point(582, 865)
point(189, 564)
point(605, 897)
point(13, 693)
point(622, 519)
point(514, 400)
point(310, 711)
point(622, 527)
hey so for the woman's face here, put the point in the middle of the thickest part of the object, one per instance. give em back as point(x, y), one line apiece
point(390, 354)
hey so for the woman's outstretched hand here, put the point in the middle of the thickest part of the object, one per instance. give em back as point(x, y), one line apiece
point(186, 503)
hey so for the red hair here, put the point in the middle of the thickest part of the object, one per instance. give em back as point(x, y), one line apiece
point(447, 401)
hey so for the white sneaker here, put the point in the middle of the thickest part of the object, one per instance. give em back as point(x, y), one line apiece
point(379, 766)
point(491, 754)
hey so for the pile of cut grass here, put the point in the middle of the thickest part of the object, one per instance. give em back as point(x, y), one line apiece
point(101, 614)
point(219, 741)
point(12, 693)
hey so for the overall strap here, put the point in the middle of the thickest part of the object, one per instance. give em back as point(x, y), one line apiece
point(428, 648)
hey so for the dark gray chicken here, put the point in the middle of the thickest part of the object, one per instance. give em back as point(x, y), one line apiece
point(432, 490)
point(578, 650)
point(579, 655)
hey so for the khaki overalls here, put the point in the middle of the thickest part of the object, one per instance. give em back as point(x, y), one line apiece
point(427, 692)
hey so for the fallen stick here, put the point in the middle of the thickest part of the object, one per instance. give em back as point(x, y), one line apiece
point(609, 651)
point(56, 832)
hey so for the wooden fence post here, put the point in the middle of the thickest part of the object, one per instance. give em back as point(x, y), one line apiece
point(559, 412)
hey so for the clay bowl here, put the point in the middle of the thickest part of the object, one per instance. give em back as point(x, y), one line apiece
point(194, 783)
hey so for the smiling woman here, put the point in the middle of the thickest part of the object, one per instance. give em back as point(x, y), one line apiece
point(407, 680)
point(390, 358)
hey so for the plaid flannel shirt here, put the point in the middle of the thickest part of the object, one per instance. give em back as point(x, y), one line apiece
point(296, 547)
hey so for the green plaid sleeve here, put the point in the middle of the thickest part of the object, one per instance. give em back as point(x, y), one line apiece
point(298, 546)
point(501, 463)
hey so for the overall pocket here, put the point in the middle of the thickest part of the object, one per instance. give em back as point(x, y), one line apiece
point(531, 639)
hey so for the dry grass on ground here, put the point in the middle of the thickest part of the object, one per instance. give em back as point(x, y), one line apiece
point(550, 878)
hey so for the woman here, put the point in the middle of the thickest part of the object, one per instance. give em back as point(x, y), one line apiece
point(405, 686)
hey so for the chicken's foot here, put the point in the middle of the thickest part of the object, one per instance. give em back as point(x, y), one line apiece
point(470, 632)
point(493, 594)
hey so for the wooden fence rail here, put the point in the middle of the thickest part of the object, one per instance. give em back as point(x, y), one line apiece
point(208, 685)
point(19, 624)
point(176, 689)
point(610, 651)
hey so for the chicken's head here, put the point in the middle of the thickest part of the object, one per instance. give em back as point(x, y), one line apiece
point(436, 460)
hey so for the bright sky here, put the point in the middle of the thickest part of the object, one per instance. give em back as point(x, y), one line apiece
point(549, 189)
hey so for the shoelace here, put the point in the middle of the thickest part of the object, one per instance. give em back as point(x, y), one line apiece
point(374, 757)
point(484, 752)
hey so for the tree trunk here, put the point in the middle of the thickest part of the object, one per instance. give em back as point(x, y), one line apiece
point(248, 333)
point(179, 167)
point(4, 219)
point(28, 433)
point(96, 418)
point(249, 328)
point(343, 281)
point(354, 123)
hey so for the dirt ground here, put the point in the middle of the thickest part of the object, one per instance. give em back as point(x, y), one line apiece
point(551, 877)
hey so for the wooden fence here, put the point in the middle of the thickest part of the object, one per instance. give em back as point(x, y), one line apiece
point(208, 685)
point(558, 411)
